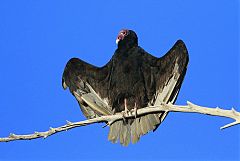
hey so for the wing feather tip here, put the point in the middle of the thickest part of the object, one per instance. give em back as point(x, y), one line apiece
point(64, 85)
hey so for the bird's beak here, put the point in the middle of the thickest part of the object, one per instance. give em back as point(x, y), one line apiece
point(120, 37)
point(117, 40)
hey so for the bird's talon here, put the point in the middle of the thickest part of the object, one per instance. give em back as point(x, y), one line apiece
point(124, 116)
point(163, 104)
point(125, 113)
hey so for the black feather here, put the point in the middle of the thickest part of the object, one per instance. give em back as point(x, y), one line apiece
point(131, 74)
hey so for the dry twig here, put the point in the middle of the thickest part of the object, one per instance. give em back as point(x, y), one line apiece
point(190, 107)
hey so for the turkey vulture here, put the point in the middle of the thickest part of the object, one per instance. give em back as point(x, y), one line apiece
point(132, 79)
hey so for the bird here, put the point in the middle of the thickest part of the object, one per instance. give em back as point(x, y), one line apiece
point(131, 80)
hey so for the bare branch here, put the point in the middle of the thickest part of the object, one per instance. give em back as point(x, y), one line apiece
point(190, 107)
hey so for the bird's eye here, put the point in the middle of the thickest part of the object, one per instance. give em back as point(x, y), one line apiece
point(124, 32)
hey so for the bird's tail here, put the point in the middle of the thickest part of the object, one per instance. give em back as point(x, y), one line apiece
point(133, 129)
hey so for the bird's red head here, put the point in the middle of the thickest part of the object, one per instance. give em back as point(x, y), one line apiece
point(121, 35)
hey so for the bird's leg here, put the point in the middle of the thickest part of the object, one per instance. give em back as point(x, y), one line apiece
point(125, 112)
point(125, 106)
point(135, 110)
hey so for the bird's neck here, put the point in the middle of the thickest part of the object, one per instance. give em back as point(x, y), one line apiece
point(124, 48)
point(124, 51)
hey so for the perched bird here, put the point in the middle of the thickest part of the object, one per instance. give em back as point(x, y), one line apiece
point(132, 79)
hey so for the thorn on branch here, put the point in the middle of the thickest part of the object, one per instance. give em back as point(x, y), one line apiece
point(51, 129)
point(69, 122)
point(37, 133)
point(234, 111)
point(12, 135)
point(190, 104)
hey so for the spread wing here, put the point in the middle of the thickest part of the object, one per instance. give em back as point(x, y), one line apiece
point(164, 76)
point(88, 84)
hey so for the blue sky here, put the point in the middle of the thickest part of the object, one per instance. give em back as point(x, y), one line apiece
point(37, 38)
